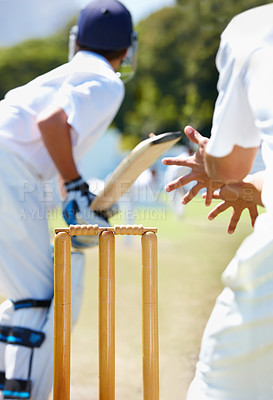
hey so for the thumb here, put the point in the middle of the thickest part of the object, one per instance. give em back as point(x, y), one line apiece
point(193, 135)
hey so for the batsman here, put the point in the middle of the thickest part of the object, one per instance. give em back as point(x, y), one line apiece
point(46, 126)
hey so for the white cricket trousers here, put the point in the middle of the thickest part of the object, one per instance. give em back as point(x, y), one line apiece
point(26, 272)
point(236, 356)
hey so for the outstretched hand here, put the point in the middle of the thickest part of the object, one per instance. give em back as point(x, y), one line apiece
point(238, 204)
point(198, 172)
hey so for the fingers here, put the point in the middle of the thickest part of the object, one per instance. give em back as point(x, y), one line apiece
point(208, 198)
point(192, 193)
point(174, 184)
point(193, 135)
point(209, 195)
point(184, 162)
point(180, 181)
point(236, 215)
point(218, 210)
point(215, 195)
point(253, 212)
point(222, 207)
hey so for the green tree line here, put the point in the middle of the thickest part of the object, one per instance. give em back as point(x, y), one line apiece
point(176, 79)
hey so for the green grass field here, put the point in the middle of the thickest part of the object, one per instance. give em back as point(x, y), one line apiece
point(193, 253)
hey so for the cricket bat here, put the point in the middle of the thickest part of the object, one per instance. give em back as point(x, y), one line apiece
point(137, 161)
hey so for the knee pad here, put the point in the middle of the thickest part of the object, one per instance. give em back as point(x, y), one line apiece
point(19, 342)
point(29, 365)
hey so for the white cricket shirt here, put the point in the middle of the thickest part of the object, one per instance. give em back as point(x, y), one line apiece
point(244, 109)
point(87, 89)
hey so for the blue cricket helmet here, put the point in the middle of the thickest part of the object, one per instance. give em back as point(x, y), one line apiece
point(105, 25)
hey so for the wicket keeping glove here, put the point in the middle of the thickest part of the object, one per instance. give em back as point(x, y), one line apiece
point(76, 210)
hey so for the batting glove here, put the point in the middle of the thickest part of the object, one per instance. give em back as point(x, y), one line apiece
point(77, 211)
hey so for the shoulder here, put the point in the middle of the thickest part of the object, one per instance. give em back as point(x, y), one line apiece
point(245, 34)
point(249, 28)
point(92, 70)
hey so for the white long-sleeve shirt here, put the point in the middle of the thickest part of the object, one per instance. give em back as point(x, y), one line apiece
point(89, 92)
point(244, 109)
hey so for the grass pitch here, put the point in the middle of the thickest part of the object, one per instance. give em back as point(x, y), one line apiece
point(193, 253)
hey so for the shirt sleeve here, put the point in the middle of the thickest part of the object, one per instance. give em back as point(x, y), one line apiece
point(259, 87)
point(233, 120)
point(90, 104)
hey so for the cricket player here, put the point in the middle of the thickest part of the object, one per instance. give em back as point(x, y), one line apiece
point(236, 356)
point(46, 126)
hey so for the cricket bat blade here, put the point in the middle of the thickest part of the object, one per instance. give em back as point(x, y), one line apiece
point(137, 161)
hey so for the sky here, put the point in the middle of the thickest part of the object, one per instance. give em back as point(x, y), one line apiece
point(140, 8)
point(24, 19)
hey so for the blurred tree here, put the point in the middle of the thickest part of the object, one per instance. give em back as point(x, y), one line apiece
point(175, 83)
point(29, 59)
point(176, 78)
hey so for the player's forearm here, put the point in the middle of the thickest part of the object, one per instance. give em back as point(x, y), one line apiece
point(231, 168)
point(56, 136)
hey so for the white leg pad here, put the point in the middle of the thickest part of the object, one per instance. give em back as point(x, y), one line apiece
point(15, 359)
